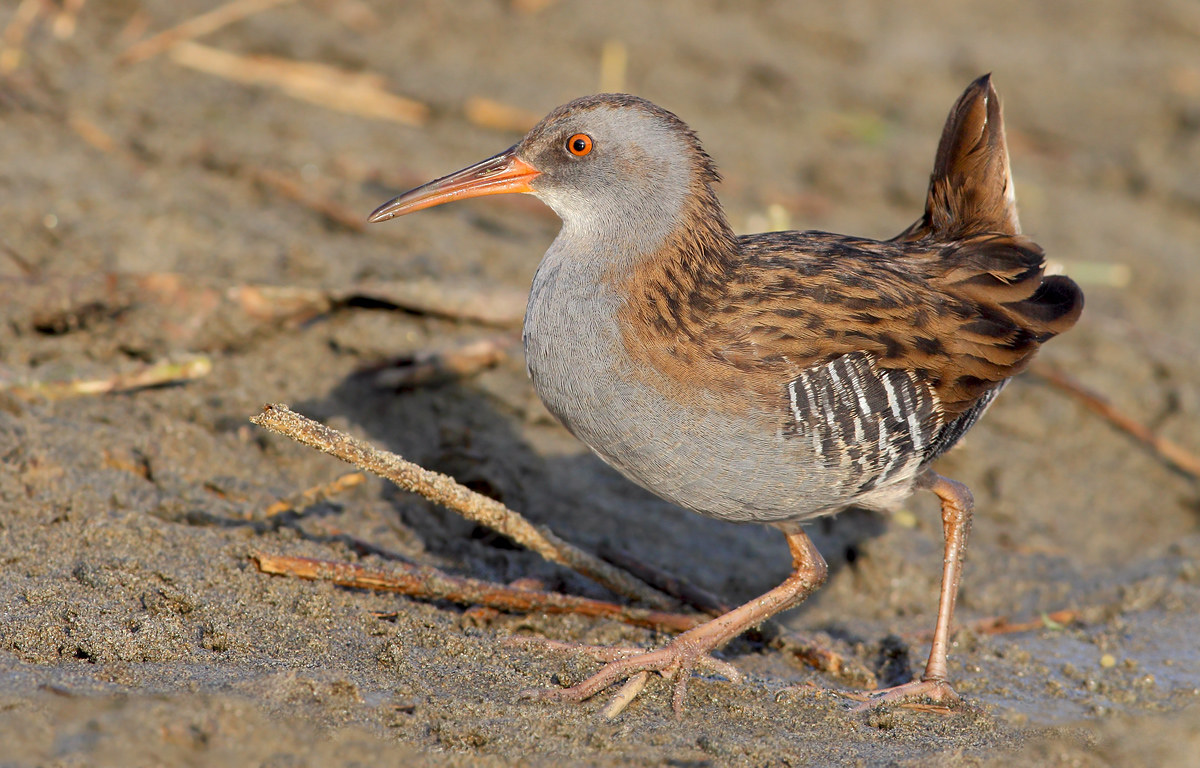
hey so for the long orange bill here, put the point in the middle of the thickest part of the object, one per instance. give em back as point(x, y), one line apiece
point(497, 175)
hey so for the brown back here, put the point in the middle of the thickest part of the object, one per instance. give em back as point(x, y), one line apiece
point(960, 298)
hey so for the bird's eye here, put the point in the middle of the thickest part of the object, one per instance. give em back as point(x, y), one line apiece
point(579, 145)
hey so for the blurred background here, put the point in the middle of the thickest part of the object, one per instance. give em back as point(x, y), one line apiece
point(183, 191)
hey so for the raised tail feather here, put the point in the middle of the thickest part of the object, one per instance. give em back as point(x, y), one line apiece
point(984, 260)
point(970, 190)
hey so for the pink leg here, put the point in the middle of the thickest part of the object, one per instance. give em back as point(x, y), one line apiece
point(957, 504)
point(691, 649)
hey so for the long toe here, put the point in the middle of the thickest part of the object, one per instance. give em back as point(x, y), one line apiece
point(925, 695)
point(676, 660)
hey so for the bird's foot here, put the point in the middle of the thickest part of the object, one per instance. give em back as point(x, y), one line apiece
point(676, 661)
point(925, 695)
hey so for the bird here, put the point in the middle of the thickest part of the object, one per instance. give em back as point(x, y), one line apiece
point(773, 378)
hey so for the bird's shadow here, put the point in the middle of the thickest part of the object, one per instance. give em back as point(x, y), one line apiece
point(462, 431)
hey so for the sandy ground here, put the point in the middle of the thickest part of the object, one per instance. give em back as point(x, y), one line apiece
point(134, 629)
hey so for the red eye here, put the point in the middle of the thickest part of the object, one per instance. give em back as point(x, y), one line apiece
point(579, 144)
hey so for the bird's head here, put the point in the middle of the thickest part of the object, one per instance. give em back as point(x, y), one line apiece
point(610, 165)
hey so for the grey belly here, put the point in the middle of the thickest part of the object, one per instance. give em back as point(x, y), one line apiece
point(733, 467)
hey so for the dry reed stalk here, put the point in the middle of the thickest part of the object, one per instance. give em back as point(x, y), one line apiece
point(197, 26)
point(357, 93)
point(1171, 452)
point(150, 375)
point(318, 493)
point(429, 583)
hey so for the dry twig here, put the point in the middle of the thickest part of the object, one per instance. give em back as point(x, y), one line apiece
point(820, 657)
point(354, 14)
point(625, 696)
point(428, 367)
point(494, 305)
point(319, 493)
point(197, 26)
point(675, 586)
point(92, 134)
point(1001, 625)
point(614, 60)
point(1172, 453)
point(357, 93)
point(296, 191)
point(488, 113)
point(151, 375)
point(22, 263)
point(12, 41)
point(445, 491)
point(432, 584)
point(133, 29)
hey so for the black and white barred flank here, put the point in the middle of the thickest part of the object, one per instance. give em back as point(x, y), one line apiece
point(872, 426)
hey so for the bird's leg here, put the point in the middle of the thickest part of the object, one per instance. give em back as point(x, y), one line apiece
point(957, 504)
point(692, 648)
